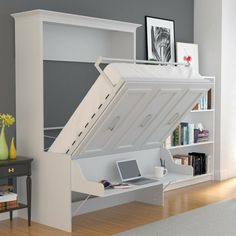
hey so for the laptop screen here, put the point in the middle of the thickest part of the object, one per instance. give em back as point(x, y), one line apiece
point(128, 169)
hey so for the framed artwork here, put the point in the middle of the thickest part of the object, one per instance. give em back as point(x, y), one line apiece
point(160, 35)
point(188, 53)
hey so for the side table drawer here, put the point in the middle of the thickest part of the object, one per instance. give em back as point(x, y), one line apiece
point(14, 170)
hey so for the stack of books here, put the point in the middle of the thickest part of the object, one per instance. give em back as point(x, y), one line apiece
point(8, 205)
point(197, 160)
point(181, 159)
point(8, 200)
point(201, 136)
point(205, 102)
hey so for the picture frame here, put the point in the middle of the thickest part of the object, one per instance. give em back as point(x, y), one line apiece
point(160, 38)
point(188, 53)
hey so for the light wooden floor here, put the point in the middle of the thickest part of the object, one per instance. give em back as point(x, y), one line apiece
point(124, 217)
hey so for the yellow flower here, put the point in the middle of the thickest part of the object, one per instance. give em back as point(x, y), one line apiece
point(6, 120)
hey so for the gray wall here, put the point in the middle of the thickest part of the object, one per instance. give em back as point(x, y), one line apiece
point(131, 10)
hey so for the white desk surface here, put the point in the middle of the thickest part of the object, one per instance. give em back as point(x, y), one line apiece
point(170, 178)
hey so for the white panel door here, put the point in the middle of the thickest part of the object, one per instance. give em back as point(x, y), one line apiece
point(126, 106)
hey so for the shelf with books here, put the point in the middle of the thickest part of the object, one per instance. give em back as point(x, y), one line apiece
point(20, 206)
point(205, 102)
point(195, 134)
point(191, 145)
point(189, 132)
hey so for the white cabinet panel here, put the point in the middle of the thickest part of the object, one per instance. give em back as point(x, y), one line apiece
point(161, 128)
point(140, 117)
point(125, 107)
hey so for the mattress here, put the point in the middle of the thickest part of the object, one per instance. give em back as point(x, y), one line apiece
point(134, 108)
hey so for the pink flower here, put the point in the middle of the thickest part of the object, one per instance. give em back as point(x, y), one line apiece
point(187, 58)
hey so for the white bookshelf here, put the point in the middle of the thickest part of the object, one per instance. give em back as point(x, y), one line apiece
point(207, 118)
point(44, 35)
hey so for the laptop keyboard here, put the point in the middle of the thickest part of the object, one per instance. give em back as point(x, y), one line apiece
point(141, 181)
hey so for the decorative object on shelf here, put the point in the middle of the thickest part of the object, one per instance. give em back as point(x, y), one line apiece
point(188, 53)
point(12, 151)
point(6, 120)
point(160, 34)
point(3, 145)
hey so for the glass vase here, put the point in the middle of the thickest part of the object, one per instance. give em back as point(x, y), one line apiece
point(12, 150)
point(3, 145)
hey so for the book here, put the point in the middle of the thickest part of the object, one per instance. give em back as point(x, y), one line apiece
point(196, 132)
point(202, 136)
point(181, 159)
point(199, 163)
point(205, 102)
point(2, 204)
point(178, 161)
point(121, 186)
point(8, 205)
point(196, 107)
point(7, 197)
point(184, 133)
point(209, 99)
point(174, 138)
point(190, 133)
point(196, 163)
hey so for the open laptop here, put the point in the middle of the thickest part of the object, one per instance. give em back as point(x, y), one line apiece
point(129, 173)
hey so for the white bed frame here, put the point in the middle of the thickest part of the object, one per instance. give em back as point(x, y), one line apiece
point(43, 35)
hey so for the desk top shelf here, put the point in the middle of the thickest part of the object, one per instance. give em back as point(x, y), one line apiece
point(169, 179)
point(111, 192)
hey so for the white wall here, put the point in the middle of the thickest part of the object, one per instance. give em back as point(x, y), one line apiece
point(207, 34)
point(228, 88)
point(215, 32)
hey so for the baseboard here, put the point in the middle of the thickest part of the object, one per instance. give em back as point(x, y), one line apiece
point(221, 174)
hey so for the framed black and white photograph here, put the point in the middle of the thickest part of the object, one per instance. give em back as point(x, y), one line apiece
point(160, 35)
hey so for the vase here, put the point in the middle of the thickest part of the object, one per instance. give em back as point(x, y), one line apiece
point(3, 145)
point(12, 152)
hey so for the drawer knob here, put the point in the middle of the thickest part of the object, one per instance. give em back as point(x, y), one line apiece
point(11, 170)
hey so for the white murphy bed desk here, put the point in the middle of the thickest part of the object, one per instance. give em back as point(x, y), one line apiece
point(128, 113)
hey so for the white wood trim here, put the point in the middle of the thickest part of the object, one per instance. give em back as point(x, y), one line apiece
point(78, 20)
point(202, 111)
point(191, 145)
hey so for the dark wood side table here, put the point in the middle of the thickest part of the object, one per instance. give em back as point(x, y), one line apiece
point(10, 170)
